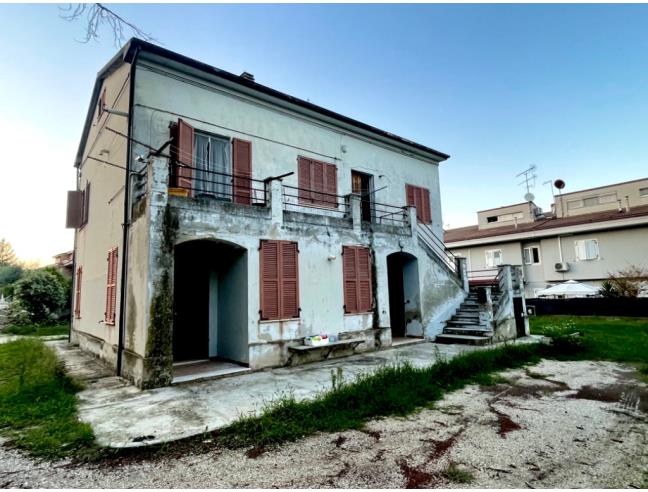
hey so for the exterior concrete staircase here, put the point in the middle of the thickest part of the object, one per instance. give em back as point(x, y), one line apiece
point(468, 325)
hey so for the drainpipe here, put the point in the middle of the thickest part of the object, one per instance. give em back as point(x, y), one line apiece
point(126, 225)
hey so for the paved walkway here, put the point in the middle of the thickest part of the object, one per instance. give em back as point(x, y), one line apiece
point(124, 416)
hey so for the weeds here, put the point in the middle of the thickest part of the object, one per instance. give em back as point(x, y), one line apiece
point(458, 475)
point(38, 401)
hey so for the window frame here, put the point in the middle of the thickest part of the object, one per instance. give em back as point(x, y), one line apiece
point(501, 257)
point(530, 255)
point(585, 249)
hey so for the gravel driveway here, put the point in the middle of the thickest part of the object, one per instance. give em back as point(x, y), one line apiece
point(556, 424)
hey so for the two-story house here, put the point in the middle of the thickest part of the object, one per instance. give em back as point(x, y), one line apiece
point(218, 219)
point(588, 235)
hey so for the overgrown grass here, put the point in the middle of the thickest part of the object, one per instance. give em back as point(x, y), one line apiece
point(37, 330)
point(458, 475)
point(38, 401)
point(392, 390)
point(604, 338)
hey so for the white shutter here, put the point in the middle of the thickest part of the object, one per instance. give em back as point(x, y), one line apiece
point(591, 247)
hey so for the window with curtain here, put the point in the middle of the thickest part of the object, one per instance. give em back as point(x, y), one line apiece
point(213, 166)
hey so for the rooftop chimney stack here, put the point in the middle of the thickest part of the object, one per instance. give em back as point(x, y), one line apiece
point(247, 76)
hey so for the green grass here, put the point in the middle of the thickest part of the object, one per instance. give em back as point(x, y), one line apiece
point(392, 390)
point(37, 330)
point(38, 402)
point(458, 475)
point(615, 339)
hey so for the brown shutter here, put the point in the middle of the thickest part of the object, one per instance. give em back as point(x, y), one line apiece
point(363, 262)
point(330, 184)
point(77, 293)
point(74, 209)
point(242, 170)
point(425, 206)
point(304, 179)
point(289, 280)
point(111, 287)
point(279, 280)
point(350, 279)
point(269, 268)
point(86, 205)
point(409, 193)
point(185, 149)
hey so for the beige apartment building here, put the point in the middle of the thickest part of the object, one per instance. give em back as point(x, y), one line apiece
point(587, 235)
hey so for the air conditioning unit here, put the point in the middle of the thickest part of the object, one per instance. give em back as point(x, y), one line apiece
point(561, 267)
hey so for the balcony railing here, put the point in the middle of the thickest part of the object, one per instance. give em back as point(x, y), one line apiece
point(381, 213)
point(202, 183)
point(306, 200)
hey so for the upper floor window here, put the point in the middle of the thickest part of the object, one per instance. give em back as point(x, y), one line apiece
point(587, 249)
point(643, 192)
point(531, 255)
point(317, 182)
point(592, 201)
point(85, 205)
point(211, 165)
point(419, 197)
point(493, 257)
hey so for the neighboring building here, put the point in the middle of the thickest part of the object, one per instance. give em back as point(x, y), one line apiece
point(64, 263)
point(590, 234)
point(253, 219)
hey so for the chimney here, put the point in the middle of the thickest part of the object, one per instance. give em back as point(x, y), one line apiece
point(627, 203)
point(247, 76)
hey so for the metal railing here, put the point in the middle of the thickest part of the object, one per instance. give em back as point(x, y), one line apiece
point(307, 200)
point(487, 276)
point(216, 185)
point(382, 213)
point(426, 233)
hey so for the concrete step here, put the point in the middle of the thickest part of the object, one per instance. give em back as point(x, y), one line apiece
point(478, 331)
point(462, 339)
point(467, 322)
point(464, 319)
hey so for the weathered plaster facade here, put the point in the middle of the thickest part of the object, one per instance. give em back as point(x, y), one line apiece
point(160, 225)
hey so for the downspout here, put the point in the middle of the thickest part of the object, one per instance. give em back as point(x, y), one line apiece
point(126, 225)
point(74, 274)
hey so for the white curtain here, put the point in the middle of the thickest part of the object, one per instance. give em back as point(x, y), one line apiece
point(213, 163)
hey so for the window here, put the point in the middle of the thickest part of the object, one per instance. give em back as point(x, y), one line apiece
point(573, 204)
point(279, 272)
point(587, 249)
point(531, 255)
point(510, 217)
point(101, 104)
point(85, 207)
point(77, 293)
point(643, 192)
point(111, 287)
point(356, 274)
point(317, 183)
point(493, 258)
point(492, 218)
point(419, 197)
point(211, 165)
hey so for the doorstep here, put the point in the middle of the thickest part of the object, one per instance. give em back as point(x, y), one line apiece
point(186, 372)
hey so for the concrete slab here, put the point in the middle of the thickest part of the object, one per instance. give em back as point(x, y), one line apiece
point(124, 416)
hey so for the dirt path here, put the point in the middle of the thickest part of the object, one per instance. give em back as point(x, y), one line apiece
point(557, 424)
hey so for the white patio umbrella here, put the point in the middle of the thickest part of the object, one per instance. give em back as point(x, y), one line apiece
point(569, 288)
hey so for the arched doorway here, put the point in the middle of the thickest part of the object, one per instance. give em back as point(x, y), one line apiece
point(210, 302)
point(404, 296)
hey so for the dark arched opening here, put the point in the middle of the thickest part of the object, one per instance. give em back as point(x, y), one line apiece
point(404, 295)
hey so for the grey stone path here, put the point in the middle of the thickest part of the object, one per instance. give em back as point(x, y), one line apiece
point(124, 416)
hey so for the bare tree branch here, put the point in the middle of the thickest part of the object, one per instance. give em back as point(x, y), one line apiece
point(98, 15)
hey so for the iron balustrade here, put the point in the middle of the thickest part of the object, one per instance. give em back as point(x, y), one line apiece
point(306, 200)
point(220, 186)
point(382, 213)
point(426, 233)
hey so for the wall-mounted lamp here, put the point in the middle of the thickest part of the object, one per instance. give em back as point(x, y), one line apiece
point(332, 258)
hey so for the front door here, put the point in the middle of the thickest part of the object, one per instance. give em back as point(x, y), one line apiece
point(361, 183)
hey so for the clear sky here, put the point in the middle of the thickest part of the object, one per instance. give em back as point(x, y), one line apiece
point(498, 87)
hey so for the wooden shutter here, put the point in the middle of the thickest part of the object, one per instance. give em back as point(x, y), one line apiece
point(279, 280)
point(419, 197)
point(111, 287)
point(185, 152)
point(77, 293)
point(242, 170)
point(304, 179)
point(317, 182)
point(74, 209)
point(85, 213)
point(289, 280)
point(356, 273)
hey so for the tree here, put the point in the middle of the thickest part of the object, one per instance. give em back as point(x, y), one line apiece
point(41, 294)
point(7, 255)
point(9, 274)
point(98, 15)
point(629, 282)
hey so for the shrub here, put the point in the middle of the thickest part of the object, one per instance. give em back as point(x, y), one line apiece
point(41, 294)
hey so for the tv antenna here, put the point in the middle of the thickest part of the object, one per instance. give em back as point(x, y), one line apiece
point(528, 179)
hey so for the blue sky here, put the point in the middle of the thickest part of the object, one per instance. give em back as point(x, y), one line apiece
point(498, 87)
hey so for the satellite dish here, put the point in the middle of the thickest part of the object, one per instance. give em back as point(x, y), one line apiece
point(529, 197)
point(559, 183)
